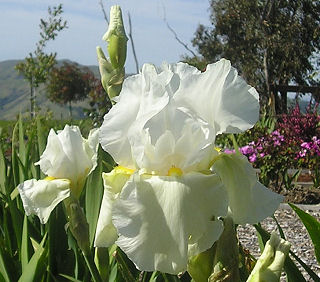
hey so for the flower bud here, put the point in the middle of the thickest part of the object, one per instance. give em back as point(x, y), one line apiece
point(111, 78)
point(78, 224)
point(269, 266)
point(116, 38)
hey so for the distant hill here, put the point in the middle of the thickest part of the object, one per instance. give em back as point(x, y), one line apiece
point(15, 95)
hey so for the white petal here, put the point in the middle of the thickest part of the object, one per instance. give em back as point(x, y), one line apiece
point(173, 137)
point(219, 96)
point(106, 234)
point(162, 220)
point(91, 147)
point(249, 200)
point(40, 197)
point(142, 97)
point(68, 155)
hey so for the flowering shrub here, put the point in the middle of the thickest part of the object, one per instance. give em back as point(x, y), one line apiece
point(293, 144)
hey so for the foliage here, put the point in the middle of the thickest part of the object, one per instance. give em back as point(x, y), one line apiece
point(70, 83)
point(34, 252)
point(99, 103)
point(291, 143)
point(270, 42)
point(38, 64)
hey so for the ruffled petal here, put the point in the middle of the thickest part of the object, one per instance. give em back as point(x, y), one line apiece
point(249, 200)
point(142, 97)
point(173, 137)
point(91, 147)
point(67, 155)
point(40, 197)
point(113, 182)
point(162, 220)
point(219, 96)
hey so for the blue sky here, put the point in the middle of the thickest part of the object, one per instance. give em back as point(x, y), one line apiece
point(154, 43)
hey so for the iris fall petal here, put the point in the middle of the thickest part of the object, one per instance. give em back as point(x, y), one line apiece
point(161, 220)
point(249, 200)
point(40, 197)
point(106, 233)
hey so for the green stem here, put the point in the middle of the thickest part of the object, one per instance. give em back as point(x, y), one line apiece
point(92, 267)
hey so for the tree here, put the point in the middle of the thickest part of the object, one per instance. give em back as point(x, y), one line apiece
point(37, 65)
point(268, 41)
point(70, 83)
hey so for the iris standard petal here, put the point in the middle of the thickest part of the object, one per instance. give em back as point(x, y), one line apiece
point(142, 97)
point(113, 182)
point(173, 137)
point(219, 96)
point(249, 200)
point(160, 220)
point(40, 197)
point(91, 147)
point(68, 155)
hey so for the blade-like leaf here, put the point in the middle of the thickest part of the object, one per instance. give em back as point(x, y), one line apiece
point(3, 269)
point(22, 147)
point(14, 158)
point(312, 226)
point(41, 144)
point(70, 278)
point(94, 192)
point(3, 172)
point(312, 274)
point(31, 270)
point(41, 137)
point(292, 271)
point(24, 255)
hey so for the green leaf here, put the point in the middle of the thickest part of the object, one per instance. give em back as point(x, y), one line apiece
point(94, 193)
point(312, 226)
point(24, 255)
point(292, 271)
point(3, 172)
point(16, 218)
point(70, 278)
point(35, 268)
point(3, 268)
point(41, 135)
point(312, 274)
point(14, 158)
point(22, 147)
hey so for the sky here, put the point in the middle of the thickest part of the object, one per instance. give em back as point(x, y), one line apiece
point(154, 42)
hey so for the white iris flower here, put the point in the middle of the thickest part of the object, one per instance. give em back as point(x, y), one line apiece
point(67, 161)
point(162, 204)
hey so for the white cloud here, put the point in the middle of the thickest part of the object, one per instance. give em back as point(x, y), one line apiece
point(153, 41)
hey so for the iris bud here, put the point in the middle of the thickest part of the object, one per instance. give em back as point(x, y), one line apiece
point(269, 266)
point(116, 38)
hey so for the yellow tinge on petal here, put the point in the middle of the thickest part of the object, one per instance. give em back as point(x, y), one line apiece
point(175, 171)
point(124, 170)
point(49, 178)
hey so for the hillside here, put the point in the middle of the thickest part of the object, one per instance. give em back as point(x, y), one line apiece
point(15, 95)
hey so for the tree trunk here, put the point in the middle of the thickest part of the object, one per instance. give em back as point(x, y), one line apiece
point(284, 97)
point(70, 110)
point(31, 101)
